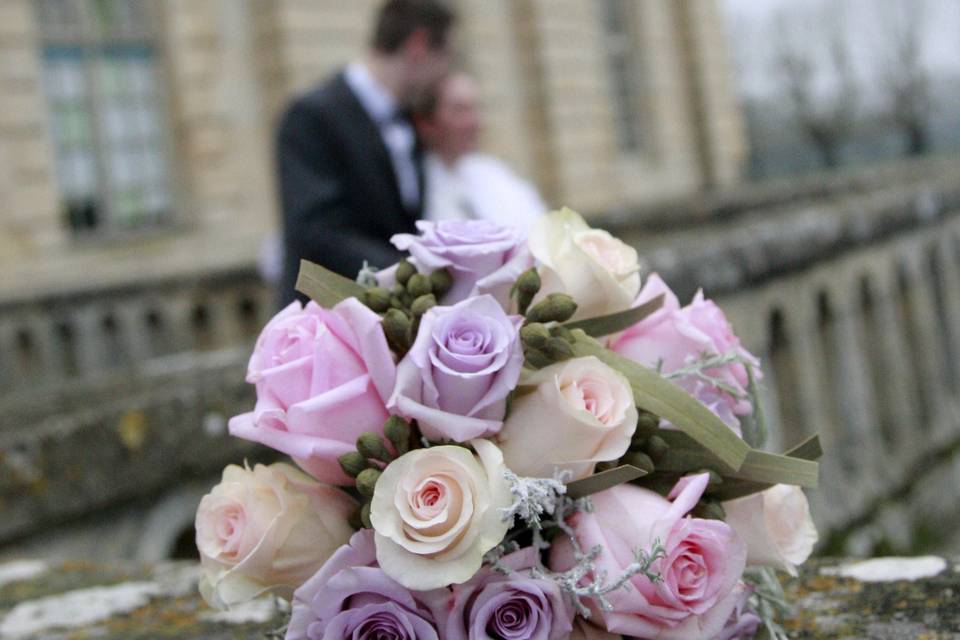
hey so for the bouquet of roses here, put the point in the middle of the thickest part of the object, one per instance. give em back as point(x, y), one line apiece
point(507, 437)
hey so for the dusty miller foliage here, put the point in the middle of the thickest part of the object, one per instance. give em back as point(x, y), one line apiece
point(541, 504)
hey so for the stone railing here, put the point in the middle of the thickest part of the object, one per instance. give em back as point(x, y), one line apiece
point(853, 305)
point(886, 598)
point(114, 400)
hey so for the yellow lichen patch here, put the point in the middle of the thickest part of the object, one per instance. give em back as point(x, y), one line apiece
point(133, 430)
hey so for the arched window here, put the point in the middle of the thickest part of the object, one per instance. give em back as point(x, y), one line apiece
point(102, 77)
point(619, 19)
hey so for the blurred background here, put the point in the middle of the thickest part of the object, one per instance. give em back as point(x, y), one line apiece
point(797, 160)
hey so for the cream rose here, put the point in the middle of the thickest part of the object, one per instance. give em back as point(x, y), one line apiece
point(599, 271)
point(776, 526)
point(436, 512)
point(580, 413)
point(267, 529)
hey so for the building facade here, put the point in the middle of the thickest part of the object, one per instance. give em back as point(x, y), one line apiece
point(137, 134)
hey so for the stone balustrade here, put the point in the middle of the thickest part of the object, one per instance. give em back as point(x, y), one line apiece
point(885, 599)
point(114, 399)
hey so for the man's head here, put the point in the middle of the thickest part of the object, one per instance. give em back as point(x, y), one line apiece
point(448, 117)
point(415, 36)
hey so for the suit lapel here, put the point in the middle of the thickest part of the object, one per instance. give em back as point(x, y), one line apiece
point(366, 133)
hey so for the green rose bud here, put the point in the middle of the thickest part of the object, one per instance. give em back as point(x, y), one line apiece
point(367, 482)
point(657, 448)
point(396, 326)
point(423, 304)
point(370, 445)
point(558, 307)
point(419, 285)
point(709, 510)
point(404, 271)
point(440, 282)
point(558, 349)
point(640, 460)
point(398, 433)
point(352, 463)
point(377, 298)
point(534, 335)
point(536, 358)
point(647, 425)
point(528, 284)
point(365, 516)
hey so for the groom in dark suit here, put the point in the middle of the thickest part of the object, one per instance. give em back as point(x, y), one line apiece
point(349, 162)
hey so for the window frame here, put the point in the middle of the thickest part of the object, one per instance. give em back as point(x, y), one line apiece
point(92, 40)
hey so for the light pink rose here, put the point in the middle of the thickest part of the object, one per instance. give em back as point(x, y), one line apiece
point(776, 525)
point(267, 529)
point(456, 377)
point(580, 413)
point(323, 378)
point(744, 621)
point(704, 561)
point(436, 512)
point(672, 337)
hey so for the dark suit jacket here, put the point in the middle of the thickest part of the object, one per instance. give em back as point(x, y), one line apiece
point(338, 190)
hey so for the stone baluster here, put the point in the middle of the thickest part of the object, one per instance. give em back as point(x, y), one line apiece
point(9, 367)
point(949, 262)
point(801, 328)
point(224, 317)
point(932, 370)
point(177, 317)
point(859, 438)
point(44, 364)
point(89, 339)
point(132, 326)
point(897, 397)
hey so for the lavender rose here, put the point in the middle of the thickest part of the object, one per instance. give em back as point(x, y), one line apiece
point(351, 598)
point(482, 257)
point(455, 379)
point(514, 605)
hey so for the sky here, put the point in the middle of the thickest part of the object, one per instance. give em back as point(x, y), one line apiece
point(748, 22)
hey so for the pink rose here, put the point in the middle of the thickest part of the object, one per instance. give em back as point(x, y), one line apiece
point(322, 378)
point(704, 561)
point(672, 337)
point(267, 529)
point(744, 621)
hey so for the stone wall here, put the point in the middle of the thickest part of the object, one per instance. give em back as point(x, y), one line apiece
point(884, 599)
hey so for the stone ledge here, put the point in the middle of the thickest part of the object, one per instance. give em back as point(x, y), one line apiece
point(892, 598)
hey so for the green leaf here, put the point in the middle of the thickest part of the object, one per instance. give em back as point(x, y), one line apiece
point(325, 287)
point(760, 470)
point(604, 480)
point(656, 394)
point(755, 429)
point(616, 322)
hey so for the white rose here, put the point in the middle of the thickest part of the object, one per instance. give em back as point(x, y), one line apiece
point(267, 529)
point(581, 412)
point(600, 272)
point(436, 512)
point(776, 526)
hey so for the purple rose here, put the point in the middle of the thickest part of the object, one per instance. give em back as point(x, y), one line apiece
point(456, 377)
point(351, 598)
point(510, 606)
point(482, 257)
point(743, 622)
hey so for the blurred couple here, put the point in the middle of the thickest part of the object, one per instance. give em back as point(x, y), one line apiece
point(391, 139)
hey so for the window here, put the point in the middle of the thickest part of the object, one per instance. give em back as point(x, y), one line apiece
point(102, 81)
point(618, 20)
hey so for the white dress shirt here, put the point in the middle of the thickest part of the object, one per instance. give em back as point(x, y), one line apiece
point(398, 134)
point(479, 186)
